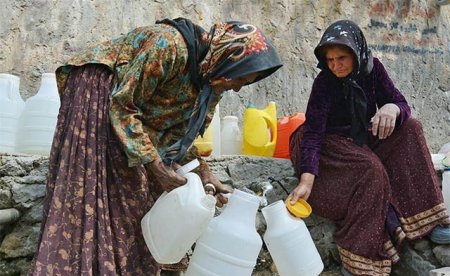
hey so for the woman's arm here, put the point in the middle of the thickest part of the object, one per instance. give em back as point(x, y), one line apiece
point(387, 92)
point(306, 162)
point(393, 107)
point(304, 187)
point(139, 79)
point(315, 127)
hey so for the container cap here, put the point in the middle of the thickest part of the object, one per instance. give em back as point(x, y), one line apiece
point(188, 167)
point(230, 118)
point(300, 209)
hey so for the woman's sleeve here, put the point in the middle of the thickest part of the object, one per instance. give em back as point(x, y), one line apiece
point(386, 92)
point(314, 129)
point(142, 76)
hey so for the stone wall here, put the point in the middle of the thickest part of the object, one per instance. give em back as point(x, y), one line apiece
point(22, 186)
point(412, 37)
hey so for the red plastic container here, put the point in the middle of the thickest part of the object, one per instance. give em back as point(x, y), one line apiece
point(285, 127)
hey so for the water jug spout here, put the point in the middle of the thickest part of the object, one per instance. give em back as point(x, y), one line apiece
point(267, 188)
point(261, 189)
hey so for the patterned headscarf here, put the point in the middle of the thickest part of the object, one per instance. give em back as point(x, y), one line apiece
point(230, 50)
point(238, 49)
point(347, 33)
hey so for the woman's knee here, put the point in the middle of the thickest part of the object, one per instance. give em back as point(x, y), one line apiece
point(374, 166)
point(411, 124)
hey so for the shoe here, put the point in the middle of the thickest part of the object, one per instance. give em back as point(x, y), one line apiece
point(440, 235)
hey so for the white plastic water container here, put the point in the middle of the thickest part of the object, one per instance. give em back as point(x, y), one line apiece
point(446, 188)
point(216, 151)
point(11, 106)
point(443, 271)
point(437, 158)
point(177, 219)
point(37, 122)
point(231, 136)
point(230, 245)
point(289, 243)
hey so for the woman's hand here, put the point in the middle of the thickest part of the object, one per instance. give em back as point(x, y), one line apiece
point(383, 123)
point(304, 187)
point(208, 178)
point(165, 175)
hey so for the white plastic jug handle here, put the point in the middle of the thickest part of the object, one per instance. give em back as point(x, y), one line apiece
point(188, 167)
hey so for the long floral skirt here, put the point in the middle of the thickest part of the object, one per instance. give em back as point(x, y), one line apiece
point(378, 196)
point(94, 201)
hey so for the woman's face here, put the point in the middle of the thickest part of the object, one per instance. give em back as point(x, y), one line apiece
point(222, 84)
point(340, 60)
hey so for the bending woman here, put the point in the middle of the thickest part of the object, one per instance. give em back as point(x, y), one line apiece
point(362, 161)
point(130, 110)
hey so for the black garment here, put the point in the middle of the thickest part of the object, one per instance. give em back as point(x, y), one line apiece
point(196, 51)
point(347, 33)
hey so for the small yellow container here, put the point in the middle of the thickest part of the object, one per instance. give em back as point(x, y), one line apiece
point(205, 144)
point(260, 130)
point(210, 142)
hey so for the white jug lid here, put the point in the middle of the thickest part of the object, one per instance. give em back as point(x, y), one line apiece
point(230, 118)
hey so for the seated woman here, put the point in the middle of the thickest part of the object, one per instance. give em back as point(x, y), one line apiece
point(367, 158)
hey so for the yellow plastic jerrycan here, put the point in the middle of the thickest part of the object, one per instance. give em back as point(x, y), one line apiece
point(204, 144)
point(260, 130)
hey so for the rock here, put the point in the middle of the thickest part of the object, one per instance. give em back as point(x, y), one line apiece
point(442, 253)
point(22, 242)
point(411, 264)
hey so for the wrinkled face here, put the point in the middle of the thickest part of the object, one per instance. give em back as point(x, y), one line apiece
point(340, 60)
point(222, 84)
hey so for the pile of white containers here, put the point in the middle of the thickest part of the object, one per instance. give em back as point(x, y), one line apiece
point(231, 136)
point(227, 244)
point(11, 106)
point(28, 127)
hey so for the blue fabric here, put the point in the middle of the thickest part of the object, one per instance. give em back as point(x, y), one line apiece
point(440, 235)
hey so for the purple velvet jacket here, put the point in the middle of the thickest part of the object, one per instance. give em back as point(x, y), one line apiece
point(326, 112)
